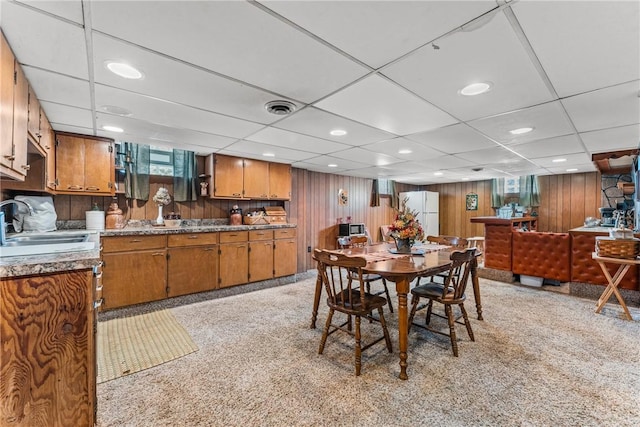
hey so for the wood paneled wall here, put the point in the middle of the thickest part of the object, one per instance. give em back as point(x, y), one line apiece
point(566, 200)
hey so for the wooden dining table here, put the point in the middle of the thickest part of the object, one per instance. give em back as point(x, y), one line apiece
point(402, 270)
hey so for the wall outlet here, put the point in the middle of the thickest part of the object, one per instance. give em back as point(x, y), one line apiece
point(309, 249)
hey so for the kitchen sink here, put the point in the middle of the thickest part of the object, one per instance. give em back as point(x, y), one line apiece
point(25, 244)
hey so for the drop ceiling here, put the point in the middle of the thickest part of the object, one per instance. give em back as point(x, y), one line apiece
point(387, 72)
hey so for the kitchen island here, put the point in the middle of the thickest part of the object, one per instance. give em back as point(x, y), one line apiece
point(497, 238)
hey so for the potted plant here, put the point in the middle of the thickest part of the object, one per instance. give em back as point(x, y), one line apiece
point(406, 228)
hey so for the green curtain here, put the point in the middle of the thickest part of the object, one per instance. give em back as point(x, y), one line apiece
point(497, 193)
point(185, 176)
point(375, 194)
point(395, 202)
point(529, 191)
point(136, 183)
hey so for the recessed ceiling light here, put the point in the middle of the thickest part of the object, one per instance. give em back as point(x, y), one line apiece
point(405, 151)
point(559, 160)
point(476, 89)
point(268, 154)
point(520, 131)
point(572, 170)
point(123, 70)
point(438, 173)
point(112, 128)
point(332, 165)
point(119, 111)
point(338, 132)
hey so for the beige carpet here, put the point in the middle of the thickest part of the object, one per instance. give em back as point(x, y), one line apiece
point(132, 344)
point(540, 359)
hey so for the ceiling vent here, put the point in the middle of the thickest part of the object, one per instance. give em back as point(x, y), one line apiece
point(280, 108)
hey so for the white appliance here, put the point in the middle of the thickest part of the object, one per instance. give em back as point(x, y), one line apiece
point(427, 204)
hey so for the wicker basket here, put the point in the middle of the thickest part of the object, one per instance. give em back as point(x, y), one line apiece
point(617, 248)
point(254, 220)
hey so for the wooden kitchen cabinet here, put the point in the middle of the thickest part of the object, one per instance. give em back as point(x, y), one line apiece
point(192, 264)
point(84, 165)
point(256, 179)
point(234, 258)
point(33, 122)
point(48, 358)
point(14, 109)
point(135, 270)
point(228, 177)
point(285, 259)
point(260, 255)
point(279, 181)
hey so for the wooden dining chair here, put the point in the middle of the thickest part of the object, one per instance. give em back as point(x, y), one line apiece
point(361, 242)
point(450, 293)
point(456, 243)
point(336, 271)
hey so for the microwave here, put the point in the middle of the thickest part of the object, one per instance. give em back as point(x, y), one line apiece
point(351, 230)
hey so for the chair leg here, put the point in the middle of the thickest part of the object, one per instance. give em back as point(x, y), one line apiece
point(358, 347)
point(414, 307)
point(325, 333)
point(466, 322)
point(427, 319)
point(386, 289)
point(452, 329)
point(385, 331)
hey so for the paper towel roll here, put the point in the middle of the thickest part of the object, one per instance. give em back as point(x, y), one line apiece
point(95, 220)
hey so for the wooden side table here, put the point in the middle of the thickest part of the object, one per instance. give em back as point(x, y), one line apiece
point(612, 287)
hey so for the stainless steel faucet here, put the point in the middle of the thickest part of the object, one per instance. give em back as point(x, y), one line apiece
point(3, 224)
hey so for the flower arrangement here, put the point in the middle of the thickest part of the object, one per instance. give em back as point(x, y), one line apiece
point(405, 225)
point(162, 197)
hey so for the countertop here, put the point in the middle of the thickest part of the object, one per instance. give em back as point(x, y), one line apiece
point(51, 263)
point(601, 230)
point(501, 221)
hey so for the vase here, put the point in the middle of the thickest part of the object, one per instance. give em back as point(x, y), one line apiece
point(160, 219)
point(404, 246)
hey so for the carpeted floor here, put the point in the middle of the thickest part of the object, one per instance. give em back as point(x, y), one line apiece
point(131, 344)
point(540, 359)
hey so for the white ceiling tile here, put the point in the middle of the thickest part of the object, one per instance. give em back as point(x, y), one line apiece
point(233, 38)
point(318, 168)
point(257, 150)
point(67, 9)
point(66, 115)
point(165, 78)
point(549, 147)
point(453, 139)
point(50, 43)
point(384, 105)
point(583, 45)
point(622, 138)
point(570, 159)
point(318, 123)
point(392, 147)
point(548, 120)
point(173, 115)
point(495, 155)
point(283, 138)
point(491, 53)
point(382, 31)
point(58, 88)
point(580, 168)
point(605, 108)
point(359, 155)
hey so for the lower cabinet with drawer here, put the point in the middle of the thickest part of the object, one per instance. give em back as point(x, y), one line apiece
point(285, 260)
point(134, 270)
point(234, 258)
point(260, 255)
point(192, 263)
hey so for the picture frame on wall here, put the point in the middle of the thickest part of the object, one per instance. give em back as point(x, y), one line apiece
point(472, 202)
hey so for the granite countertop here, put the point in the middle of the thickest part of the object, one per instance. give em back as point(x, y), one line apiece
point(592, 230)
point(55, 262)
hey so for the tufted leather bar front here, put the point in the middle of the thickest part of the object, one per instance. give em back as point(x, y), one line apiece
point(497, 247)
point(585, 270)
point(545, 255)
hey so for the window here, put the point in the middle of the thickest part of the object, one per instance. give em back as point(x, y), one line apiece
point(160, 161)
point(512, 186)
point(385, 187)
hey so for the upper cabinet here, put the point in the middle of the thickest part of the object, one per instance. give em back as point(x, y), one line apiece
point(84, 165)
point(238, 178)
point(14, 95)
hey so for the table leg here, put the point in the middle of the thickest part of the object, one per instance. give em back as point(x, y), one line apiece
point(476, 286)
point(402, 288)
point(612, 288)
point(316, 301)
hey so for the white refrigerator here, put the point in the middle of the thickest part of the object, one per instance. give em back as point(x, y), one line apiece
point(426, 203)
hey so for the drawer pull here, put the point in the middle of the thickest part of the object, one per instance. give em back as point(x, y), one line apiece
point(98, 303)
point(93, 188)
point(209, 249)
point(193, 236)
point(135, 241)
point(158, 254)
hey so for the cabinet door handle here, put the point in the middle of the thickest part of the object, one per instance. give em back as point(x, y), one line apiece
point(26, 167)
point(236, 194)
point(157, 254)
point(98, 303)
point(74, 187)
point(93, 189)
point(209, 249)
point(11, 158)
